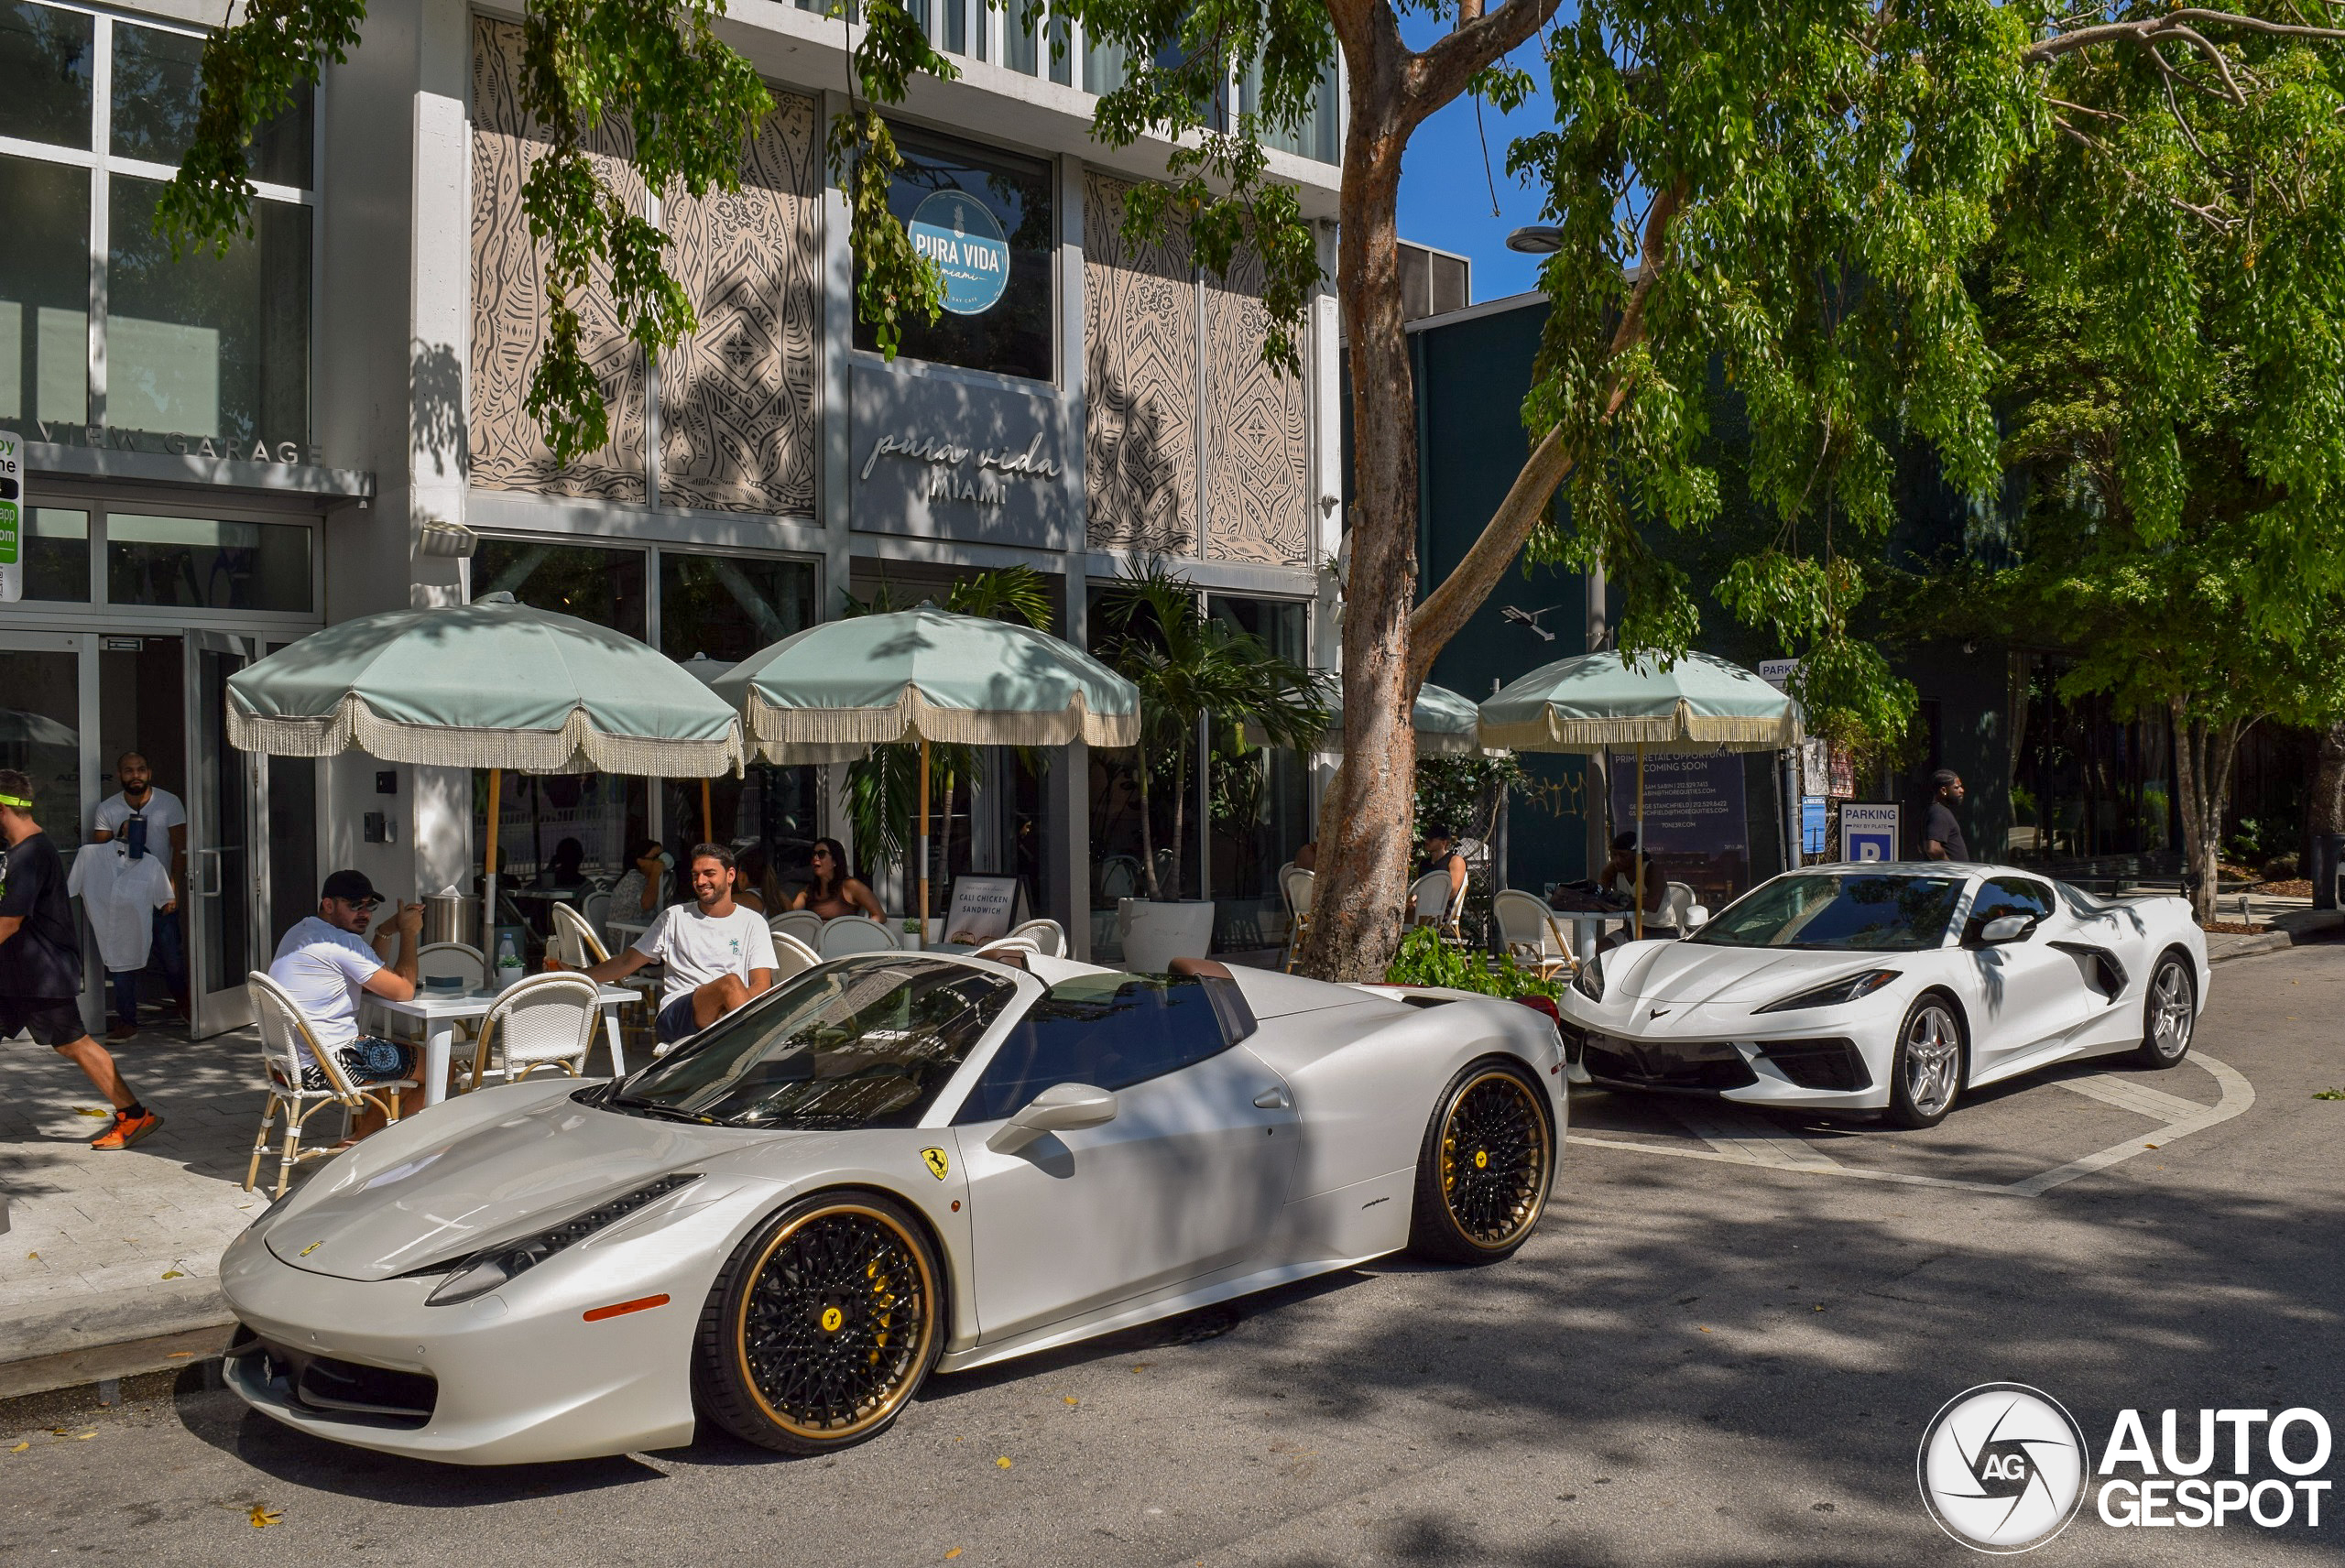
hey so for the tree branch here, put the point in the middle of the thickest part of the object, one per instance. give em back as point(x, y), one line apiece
point(2175, 24)
point(1439, 74)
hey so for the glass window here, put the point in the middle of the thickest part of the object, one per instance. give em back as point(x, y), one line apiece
point(216, 347)
point(993, 212)
point(1107, 1030)
point(40, 735)
point(45, 292)
point(202, 563)
point(1319, 135)
point(1018, 24)
point(1058, 34)
point(604, 586)
point(45, 57)
point(860, 1043)
point(56, 555)
point(157, 91)
point(1839, 912)
point(2008, 896)
point(956, 25)
point(728, 606)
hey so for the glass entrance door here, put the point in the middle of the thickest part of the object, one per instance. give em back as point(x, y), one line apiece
point(45, 714)
point(227, 866)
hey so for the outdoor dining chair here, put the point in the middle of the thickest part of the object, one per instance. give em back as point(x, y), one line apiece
point(791, 957)
point(1011, 950)
point(285, 1035)
point(1679, 912)
point(1527, 929)
point(575, 941)
point(546, 1021)
point(854, 934)
point(805, 925)
point(1294, 886)
point(597, 908)
point(442, 960)
point(1429, 904)
point(1048, 936)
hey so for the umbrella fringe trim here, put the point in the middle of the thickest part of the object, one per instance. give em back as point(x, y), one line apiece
point(576, 748)
point(811, 734)
point(1681, 727)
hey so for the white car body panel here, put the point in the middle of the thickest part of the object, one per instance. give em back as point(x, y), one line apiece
point(2023, 1004)
point(1193, 1194)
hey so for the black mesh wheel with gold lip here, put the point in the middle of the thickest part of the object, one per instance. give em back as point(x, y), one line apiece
point(822, 1324)
point(1487, 1160)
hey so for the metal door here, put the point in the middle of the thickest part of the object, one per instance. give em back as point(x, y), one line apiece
point(227, 873)
point(49, 727)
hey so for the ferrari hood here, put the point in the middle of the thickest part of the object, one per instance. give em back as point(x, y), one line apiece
point(1684, 972)
point(487, 1180)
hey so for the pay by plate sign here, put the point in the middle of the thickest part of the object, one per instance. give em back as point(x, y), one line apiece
point(1867, 830)
point(12, 515)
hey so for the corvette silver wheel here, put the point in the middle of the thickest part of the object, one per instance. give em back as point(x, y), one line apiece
point(2169, 1013)
point(1927, 1075)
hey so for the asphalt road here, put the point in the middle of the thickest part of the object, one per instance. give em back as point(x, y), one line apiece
point(1699, 1359)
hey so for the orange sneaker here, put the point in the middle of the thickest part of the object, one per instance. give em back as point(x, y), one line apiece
point(126, 1130)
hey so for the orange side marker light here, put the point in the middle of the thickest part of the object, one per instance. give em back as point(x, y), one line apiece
point(620, 1309)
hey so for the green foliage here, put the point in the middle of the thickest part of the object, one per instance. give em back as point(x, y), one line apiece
point(1459, 795)
point(1425, 959)
point(893, 284)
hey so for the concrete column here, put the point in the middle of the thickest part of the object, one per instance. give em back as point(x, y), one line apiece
point(1066, 860)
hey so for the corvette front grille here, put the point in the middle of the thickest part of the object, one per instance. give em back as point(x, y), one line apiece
point(1818, 1063)
point(1706, 1065)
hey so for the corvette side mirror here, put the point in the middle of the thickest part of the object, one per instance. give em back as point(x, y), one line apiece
point(1063, 1108)
point(2003, 929)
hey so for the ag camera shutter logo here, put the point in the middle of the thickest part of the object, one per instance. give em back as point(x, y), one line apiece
point(2002, 1467)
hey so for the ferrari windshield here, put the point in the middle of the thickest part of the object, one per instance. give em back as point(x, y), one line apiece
point(1848, 911)
point(866, 1043)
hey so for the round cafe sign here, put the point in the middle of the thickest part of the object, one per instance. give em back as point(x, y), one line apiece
point(954, 230)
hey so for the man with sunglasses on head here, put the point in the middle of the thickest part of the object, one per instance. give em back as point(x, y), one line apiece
point(325, 961)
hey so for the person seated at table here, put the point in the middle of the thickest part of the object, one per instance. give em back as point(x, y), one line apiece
point(750, 889)
point(566, 868)
point(717, 954)
point(1440, 856)
point(1307, 858)
point(323, 964)
point(646, 886)
point(833, 892)
point(1619, 879)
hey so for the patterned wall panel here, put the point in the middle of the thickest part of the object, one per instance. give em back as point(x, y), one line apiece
point(1257, 442)
point(1139, 382)
point(508, 308)
point(737, 419)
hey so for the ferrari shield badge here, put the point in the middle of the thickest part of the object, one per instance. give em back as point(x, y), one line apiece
point(937, 1164)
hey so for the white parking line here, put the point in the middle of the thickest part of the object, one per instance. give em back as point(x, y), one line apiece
point(1732, 1142)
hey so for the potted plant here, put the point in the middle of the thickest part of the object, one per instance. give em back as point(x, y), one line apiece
point(1198, 676)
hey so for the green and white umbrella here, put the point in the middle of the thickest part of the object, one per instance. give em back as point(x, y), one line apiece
point(1599, 702)
point(832, 691)
point(1446, 723)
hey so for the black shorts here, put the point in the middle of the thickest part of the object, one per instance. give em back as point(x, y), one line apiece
point(54, 1021)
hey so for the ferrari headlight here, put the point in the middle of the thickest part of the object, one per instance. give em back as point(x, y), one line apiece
point(492, 1265)
point(1847, 988)
point(1589, 981)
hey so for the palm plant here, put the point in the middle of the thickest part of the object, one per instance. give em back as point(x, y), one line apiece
point(1192, 668)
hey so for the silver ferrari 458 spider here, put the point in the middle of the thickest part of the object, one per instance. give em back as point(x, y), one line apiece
point(889, 1163)
point(1890, 988)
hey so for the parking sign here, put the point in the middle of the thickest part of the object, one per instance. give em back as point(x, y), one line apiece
point(1867, 830)
point(12, 512)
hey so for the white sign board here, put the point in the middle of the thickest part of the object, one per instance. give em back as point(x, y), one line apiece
point(12, 518)
point(1778, 672)
point(1867, 830)
point(984, 908)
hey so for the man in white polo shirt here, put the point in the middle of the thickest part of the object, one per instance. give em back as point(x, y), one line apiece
point(718, 956)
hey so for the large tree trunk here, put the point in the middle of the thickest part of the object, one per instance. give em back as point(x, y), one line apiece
point(2327, 813)
point(2203, 758)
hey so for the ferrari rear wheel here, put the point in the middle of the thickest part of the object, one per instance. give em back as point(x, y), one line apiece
point(1926, 1075)
point(2169, 1013)
point(1483, 1174)
point(822, 1326)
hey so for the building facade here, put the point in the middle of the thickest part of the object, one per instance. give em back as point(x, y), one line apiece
point(225, 453)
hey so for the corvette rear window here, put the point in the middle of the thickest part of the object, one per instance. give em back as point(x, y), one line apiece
point(860, 1043)
point(1847, 912)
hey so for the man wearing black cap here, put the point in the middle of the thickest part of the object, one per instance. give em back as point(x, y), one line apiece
point(1941, 834)
point(326, 962)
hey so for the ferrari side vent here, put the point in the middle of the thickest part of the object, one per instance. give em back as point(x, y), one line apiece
point(1819, 1063)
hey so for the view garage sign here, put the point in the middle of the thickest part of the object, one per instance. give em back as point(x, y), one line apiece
point(954, 230)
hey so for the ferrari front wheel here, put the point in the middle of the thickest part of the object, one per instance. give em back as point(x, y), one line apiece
point(1483, 1173)
point(821, 1325)
point(1925, 1072)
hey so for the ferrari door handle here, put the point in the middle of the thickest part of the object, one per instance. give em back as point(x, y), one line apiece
point(1274, 1099)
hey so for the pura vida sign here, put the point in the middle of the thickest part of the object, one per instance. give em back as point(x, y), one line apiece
point(962, 236)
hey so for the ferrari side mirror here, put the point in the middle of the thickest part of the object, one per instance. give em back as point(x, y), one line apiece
point(2004, 927)
point(1063, 1108)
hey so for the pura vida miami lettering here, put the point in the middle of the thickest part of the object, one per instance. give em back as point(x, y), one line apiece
point(959, 472)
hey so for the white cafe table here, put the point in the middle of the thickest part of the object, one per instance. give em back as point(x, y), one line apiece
point(1587, 926)
point(440, 1011)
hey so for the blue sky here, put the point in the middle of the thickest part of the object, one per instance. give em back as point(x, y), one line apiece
point(1446, 200)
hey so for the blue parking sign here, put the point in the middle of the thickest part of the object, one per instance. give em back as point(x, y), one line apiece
point(1867, 830)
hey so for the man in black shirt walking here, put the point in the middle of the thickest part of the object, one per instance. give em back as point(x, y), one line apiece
point(41, 960)
point(1941, 833)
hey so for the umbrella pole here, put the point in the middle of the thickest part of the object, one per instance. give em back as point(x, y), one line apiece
point(923, 838)
point(1641, 841)
point(707, 818)
point(488, 871)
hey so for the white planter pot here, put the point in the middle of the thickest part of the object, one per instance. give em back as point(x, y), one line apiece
point(1153, 934)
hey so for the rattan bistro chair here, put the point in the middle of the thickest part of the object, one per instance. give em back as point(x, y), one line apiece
point(576, 941)
point(546, 1021)
point(1529, 929)
point(1430, 904)
point(803, 924)
point(1047, 935)
point(285, 1035)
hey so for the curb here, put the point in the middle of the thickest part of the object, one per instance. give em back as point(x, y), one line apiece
point(2307, 930)
point(155, 1329)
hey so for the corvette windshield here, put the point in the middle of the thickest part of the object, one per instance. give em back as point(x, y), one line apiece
point(1848, 911)
point(866, 1043)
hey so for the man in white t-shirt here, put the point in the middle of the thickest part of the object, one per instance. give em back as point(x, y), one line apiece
point(120, 896)
point(718, 956)
point(165, 834)
point(323, 964)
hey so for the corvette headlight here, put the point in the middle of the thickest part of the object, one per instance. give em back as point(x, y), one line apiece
point(1847, 988)
point(1589, 981)
point(485, 1271)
